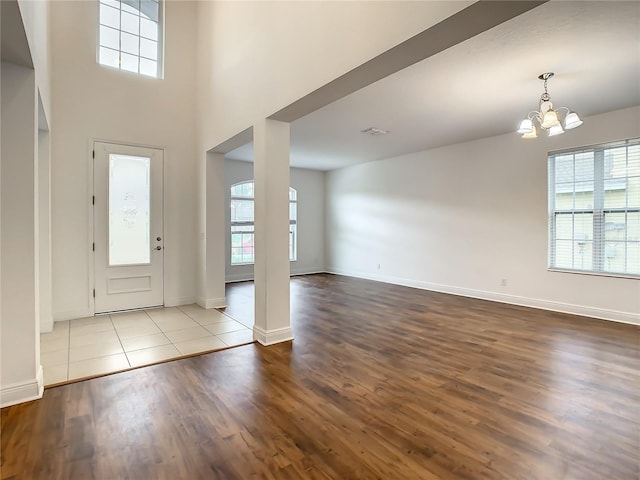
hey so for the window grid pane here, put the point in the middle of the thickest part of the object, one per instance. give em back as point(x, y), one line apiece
point(242, 223)
point(128, 29)
point(594, 200)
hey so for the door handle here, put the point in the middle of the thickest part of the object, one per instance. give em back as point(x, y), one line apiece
point(159, 238)
point(158, 247)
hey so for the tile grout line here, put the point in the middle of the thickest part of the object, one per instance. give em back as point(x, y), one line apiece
point(119, 340)
point(163, 332)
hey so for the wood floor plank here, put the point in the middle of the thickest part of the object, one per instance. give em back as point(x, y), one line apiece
point(381, 382)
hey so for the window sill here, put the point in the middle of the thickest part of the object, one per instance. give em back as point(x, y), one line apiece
point(253, 263)
point(595, 274)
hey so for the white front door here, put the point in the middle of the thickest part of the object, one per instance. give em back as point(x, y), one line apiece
point(128, 230)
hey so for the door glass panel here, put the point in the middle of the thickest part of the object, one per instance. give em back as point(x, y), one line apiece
point(129, 210)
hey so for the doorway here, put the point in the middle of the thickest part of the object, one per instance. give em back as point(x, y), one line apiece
point(128, 227)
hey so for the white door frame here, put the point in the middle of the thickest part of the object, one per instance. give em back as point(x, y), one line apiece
point(91, 279)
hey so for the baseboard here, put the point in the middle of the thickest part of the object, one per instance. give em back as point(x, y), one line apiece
point(23, 391)
point(72, 315)
point(175, 301)
point(270, 337)
point(212, 302)
point(295, 272)
point(238, 277)
point(245, 277)
point(594, 312)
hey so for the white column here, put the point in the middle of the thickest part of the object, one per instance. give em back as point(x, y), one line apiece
point(212, 288)
point(271, 269)
point(21, 373)
point(44, 230)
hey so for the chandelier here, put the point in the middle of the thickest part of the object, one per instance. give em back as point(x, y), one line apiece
point(547, 117)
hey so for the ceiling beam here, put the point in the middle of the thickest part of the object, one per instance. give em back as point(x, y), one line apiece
point(14, 44)
point(467, 23)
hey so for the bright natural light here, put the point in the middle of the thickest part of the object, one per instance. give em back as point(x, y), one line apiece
point(242, 226)
point(131, 36)
point(594, 205)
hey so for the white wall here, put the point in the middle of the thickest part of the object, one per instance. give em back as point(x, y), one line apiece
point(20, 370)
point(310, 185)
point(460, 218)
point(95, 102)
point(257, 57)
point(25, 94)
point(44, 230)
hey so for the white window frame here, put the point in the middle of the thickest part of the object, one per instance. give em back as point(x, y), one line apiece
point(597, 211)
point(248, 227)
point(160, 40)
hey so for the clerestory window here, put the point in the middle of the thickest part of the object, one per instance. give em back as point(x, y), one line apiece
point(130, 35)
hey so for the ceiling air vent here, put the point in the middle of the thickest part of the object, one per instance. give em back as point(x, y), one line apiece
point(373, 131)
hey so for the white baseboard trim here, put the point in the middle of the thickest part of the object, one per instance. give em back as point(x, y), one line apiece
point(594, 312)
point(175, 301)
point(245, 277)
point(212, 302)
point(270, 337)
point(46, 324)
point(72, 315)
point(23, 391)
point(295, 273)
point(238, 277)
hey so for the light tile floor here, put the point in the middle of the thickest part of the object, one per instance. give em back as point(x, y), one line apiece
point(98, 345)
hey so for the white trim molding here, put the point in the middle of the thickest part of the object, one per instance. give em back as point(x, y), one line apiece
point(23, 391)
point(245, 277)
point(175, 301)
point(271, 337)
point(584, 311)
point(72, 315)
point(208, 303)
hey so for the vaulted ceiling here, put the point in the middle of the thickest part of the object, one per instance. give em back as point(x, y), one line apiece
point(481, 87)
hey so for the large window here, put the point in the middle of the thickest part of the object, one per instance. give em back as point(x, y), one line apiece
point(594, 209)
point(242, 227)
point(130, 36)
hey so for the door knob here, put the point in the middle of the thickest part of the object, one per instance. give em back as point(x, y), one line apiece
point(158, 239)
point(158, 247)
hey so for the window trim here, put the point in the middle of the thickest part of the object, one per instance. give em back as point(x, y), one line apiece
point(598, 211)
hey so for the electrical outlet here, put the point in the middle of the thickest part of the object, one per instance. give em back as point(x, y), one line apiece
point(503, 282)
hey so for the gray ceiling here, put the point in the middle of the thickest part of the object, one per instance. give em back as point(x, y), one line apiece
point(481, 87)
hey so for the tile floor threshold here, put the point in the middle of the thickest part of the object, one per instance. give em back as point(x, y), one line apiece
point(90, 377)
point(97, 346)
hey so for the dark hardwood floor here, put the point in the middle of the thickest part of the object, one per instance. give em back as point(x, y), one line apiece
point(240, 301)
point(381, 382)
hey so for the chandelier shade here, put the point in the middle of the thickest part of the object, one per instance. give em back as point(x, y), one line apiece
point(556, 130)
point(547, 117)
point(531, 134)
point(550, 119)
point(526, 126)
point(572, 121)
